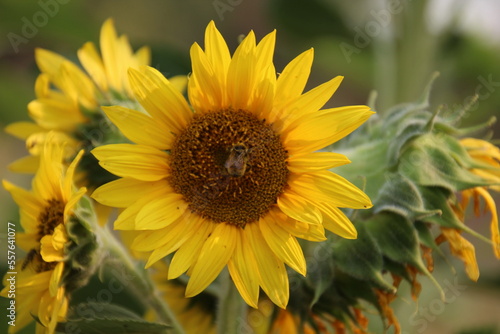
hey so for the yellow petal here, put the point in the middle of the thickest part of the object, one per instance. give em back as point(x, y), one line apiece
point(160, 98)
point(78, 86)
point(337, 222)
point(140, 128)
point(124, 192)
point(311, 162)
point(244, 270)
point(140, 162)
point(273, 276)
point(464, 250)
point(310, 102)
point(28, 164)
point(495, 234)
point(187, 253)
point(204, 90)
point(56, 115)
point(161, 212)
point(214, 256)
point(218, 56)
point(111, 55)
point(28, 203)
point(284, 245)
point(50, 62)
point(69, 175)
point(55, 279)
point(126, 219)
point(313, 132)
point(92, 62)
point(329, 187)
point(241, 76)
point(311, 232)
point(296, 207)
point(157, 240)
point(293, 78)
point(23, 130)
point(48, 252)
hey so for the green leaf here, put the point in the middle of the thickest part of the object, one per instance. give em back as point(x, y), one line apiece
point(428, 162)
point(98, 318)
point(398, 240)
point(440, 198)
point(401, 196)
point(361, 258)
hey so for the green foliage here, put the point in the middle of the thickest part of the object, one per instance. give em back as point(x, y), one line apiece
point(97, 318)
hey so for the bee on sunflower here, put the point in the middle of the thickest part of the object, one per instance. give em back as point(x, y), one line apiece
point(231, 177)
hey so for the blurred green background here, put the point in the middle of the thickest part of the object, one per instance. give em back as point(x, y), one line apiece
point(391, 46)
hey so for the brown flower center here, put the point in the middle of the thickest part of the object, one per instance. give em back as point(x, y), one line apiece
point(229, 166)
point(48, 220)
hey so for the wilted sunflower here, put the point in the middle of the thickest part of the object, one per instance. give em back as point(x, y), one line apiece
point(68, 99)
point(236, 181)
point(486, 158)
point(44, 212)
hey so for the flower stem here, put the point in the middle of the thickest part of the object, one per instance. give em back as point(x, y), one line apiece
point(120, 264)
point(232, 311)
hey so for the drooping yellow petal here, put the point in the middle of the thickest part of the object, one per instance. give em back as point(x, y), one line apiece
point(273, 276)
point(140, 162)
point(284, 245)
point(464, 250)
point(244, 270)
point(495, 234)
point(311, 162)
point(214, 256)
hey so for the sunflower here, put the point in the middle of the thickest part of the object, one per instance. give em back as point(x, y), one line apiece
point(44, 212)
point(68, 99)
point(235, 181)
